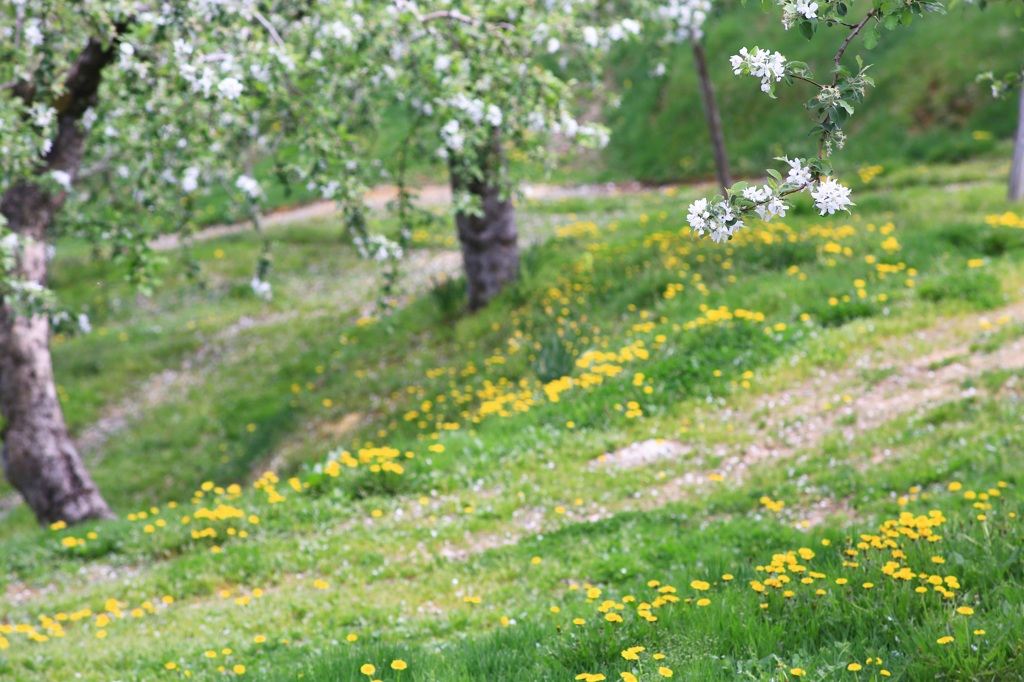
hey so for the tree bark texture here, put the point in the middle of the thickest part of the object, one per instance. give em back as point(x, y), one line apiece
point(490, 248)
point(707, 94)
point(1016, 192)
point(38, 455)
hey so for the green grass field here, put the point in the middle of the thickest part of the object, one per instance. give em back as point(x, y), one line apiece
point(795, 456)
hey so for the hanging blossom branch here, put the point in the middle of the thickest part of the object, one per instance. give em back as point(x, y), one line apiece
point(832, 105)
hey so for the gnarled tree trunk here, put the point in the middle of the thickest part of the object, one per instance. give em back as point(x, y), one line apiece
point(490, 249)
point(39, 457)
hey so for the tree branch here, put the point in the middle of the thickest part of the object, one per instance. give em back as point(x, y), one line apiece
point(270, 28)
point(849, 39)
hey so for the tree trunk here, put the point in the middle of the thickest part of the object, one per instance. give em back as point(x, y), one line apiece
point(38, 456)
point(490, 249)
point(1017, 169)
point(707, 94)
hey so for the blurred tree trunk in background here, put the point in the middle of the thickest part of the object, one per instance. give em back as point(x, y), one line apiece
point(707, 94)
point(1017, 168)
point(490, 249)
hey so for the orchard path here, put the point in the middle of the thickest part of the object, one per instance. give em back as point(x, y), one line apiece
point(380, 196)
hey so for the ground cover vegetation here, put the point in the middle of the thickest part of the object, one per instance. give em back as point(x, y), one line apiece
point(788, 454)
point(442, 508)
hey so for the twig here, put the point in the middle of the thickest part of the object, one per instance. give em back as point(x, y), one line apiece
point(270, 28)
point(849, 39)
point(807, 80)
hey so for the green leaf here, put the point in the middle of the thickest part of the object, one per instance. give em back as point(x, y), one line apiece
point(891, 21)
point(775, 174)
point(807, 29)
point(871, 38)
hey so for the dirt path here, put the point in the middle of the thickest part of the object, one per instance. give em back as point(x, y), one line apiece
point(379, 197)
point(788, 424)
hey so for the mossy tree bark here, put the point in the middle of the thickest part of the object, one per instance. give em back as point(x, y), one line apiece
point(490, 241)
point(39, 458)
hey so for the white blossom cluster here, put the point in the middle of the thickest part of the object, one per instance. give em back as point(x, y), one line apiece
point(794, 11)
point(686, 18)
point(262, 288)
point(830, 196)
point(768, 204)
point(249, 186)
point(378, 248)
point(715, 220)
point(769, 67)
point(720, 219)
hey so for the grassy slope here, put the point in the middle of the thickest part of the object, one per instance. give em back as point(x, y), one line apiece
point(398, 554)
point(925, 107)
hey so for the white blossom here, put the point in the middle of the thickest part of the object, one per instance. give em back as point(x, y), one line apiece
point(261, 288)
point(62, 178)
point(452, 135)
point(230, 87)
point(807, 8)
point(494, 116)
point(33, 35)
point(190, 180)
point(717, 221)
point(761, 64)
point(798, 173)
point(377, 247)
point(590, 36)
point(831, 196)
point(631, 26)
point(768, 204)
point(442, 62)
point(249, 186)
point(42, 115)
point(687, 18)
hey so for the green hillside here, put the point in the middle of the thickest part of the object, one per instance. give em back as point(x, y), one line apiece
point(926, 106)
point(795, 456)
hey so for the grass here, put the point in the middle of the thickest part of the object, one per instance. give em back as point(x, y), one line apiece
point(471, 558)
point(926, 107)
